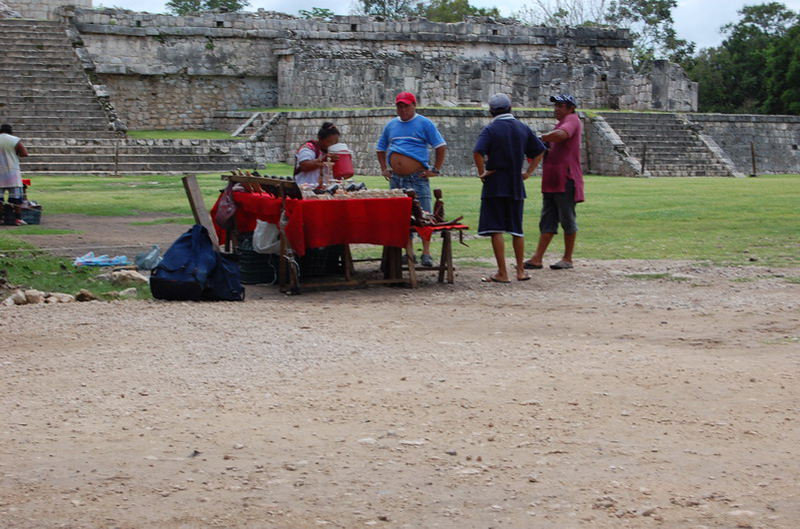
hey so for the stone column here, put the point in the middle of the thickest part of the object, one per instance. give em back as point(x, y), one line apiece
point(286, 82)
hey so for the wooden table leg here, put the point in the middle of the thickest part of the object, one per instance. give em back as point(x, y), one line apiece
point(443, 258)
point(412, 271)
point(447, 243)
point(347, 263)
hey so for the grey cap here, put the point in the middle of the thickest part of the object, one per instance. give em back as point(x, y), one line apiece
point(564, 98)
point(499, 102)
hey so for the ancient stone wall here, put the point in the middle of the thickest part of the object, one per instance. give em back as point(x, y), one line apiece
point(273, 60)
point(361, 128)
point(182, 101)
point(776, 140)
point(43, 9)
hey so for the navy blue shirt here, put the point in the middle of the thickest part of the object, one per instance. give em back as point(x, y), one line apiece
point(506, 143)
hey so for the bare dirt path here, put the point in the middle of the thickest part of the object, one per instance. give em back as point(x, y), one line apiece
point(618, 394)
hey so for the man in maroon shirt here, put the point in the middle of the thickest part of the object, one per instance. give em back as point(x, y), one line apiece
point(562, 183)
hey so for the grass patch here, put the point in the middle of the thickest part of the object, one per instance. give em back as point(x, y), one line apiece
point(121, 195)
point(54, 274)
point(720, 221)
point(793, 280)
point(714, 221)
point(181, 135)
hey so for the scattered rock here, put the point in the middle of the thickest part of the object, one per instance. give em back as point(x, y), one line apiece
point(128, 277)
point(19, 298)
point(647, 511)
point(85, 295)
point(129, 293)
point(34, 297)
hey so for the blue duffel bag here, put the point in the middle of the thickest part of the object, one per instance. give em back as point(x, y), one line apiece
point(192, 270)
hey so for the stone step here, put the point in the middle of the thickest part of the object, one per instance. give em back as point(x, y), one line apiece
point(32, 34)
point(130, 168)
point(61, 120)
point(85, 112)
point(40, 52)
point(686, 173)
point(37, 63)
point(666, 148)
point(143, 157)
point(49, 93)
point(50, 134)
point(636, 116)
point(38, 108)
point(30, 75)
point(108, 149)
point(41, 85)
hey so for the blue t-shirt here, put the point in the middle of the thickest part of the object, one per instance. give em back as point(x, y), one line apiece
point(410, 138)
point(506, 142)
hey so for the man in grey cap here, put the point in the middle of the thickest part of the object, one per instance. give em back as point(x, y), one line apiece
point(499, 154)
point(562, 183)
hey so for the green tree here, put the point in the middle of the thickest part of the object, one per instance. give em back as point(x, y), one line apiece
point(782, 76)
point(453, 10)
point(184, 7)
point(388, 9)
point(317, 12)
point(745, 74)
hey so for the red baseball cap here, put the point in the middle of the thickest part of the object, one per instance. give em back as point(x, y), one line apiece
point(406, 97)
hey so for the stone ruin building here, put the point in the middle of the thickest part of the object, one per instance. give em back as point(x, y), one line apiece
point(74, 78)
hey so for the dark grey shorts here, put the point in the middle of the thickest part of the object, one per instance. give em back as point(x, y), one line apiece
point(559, 208)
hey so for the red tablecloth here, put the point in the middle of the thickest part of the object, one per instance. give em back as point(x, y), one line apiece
point(318, 223)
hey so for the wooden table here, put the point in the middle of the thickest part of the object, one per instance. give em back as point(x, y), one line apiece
point(319, 223)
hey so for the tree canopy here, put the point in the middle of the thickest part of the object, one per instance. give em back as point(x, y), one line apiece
point(433, 10)
point(756, 69)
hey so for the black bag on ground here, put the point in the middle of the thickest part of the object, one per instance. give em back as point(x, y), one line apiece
point(184, 272)
point(225, 281)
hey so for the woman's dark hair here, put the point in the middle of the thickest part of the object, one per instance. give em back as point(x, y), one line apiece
point(328, 129)
point(5, 128)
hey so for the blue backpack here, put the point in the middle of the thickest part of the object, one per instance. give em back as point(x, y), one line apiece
point(192, 270)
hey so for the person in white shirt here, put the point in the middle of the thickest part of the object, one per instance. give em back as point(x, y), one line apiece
point(11, 150)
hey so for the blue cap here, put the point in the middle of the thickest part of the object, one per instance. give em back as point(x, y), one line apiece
point(564, 98)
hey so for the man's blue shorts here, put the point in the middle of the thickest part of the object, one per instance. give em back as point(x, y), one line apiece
point(15, 194)
point(559, 208)
point(418, 183)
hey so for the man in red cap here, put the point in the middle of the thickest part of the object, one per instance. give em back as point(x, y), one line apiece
point(404, 158)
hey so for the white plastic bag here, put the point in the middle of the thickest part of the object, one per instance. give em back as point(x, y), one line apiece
point(149, 259)
point(266, 238)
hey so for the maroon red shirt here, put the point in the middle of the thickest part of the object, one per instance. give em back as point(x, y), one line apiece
point(563, 162)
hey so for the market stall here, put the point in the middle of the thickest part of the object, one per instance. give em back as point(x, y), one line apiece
point(382, 221)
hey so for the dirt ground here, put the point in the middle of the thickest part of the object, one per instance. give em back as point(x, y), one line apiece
point(617, 394)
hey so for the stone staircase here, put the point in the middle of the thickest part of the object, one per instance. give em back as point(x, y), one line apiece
point(670, 146)
point(44, 92)
point(47, 98)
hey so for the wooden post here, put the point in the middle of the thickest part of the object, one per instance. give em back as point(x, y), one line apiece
point(644, 158)
point(753, 156)
point(201, 215)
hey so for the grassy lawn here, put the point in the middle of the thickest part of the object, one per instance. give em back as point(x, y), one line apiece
point(728, 221)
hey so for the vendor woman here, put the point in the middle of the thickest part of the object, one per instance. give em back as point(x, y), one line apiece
point(312, 155)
